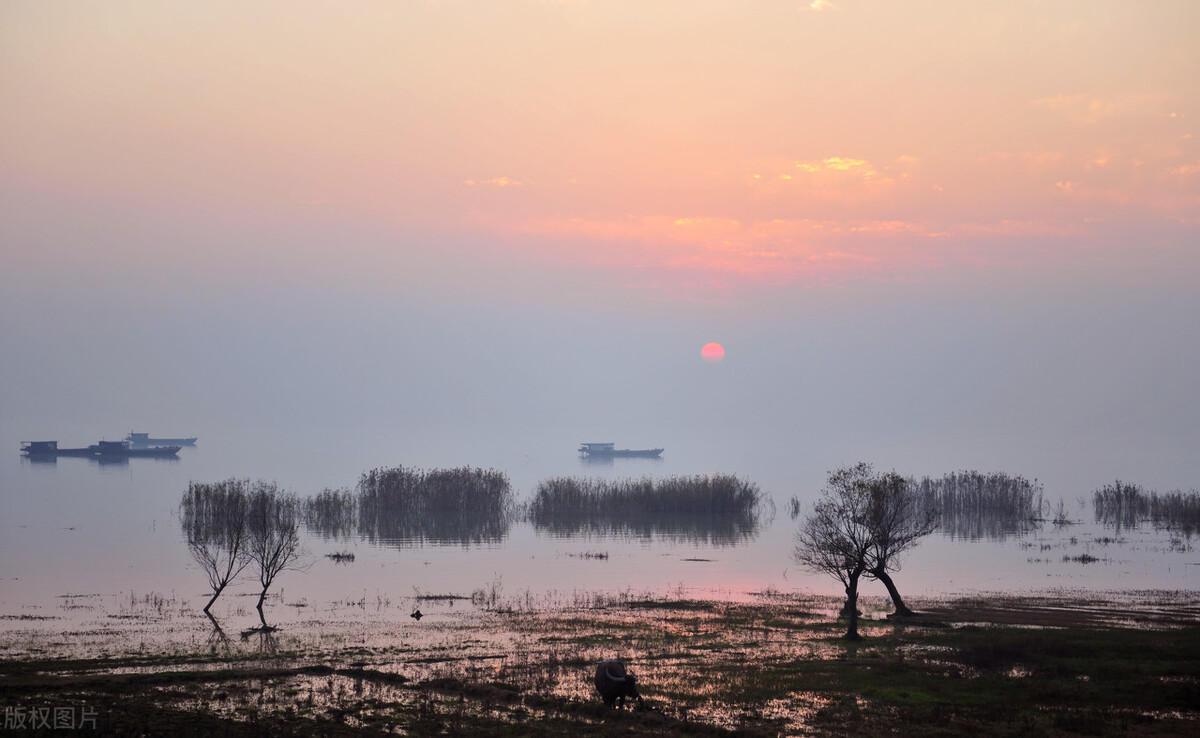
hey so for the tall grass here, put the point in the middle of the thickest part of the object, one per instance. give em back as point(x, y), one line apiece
point(1125, 505)
point(464, 504)
point(332, 513)
point(718, 508)
point(975, 505)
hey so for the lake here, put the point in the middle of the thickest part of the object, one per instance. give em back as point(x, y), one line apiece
point(77, 527)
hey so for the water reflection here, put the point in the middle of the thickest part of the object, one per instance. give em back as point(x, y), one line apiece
point(603, 460)
point(50, 461)
point(712, 530)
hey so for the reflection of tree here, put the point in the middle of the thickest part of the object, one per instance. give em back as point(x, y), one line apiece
point(720, 509)
point(264, 638)
point(973, 505)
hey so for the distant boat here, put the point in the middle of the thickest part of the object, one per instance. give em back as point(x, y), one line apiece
point(48, 449)
point(144, 439)
point(125, 449)
point(104, 450)
point(607, 451)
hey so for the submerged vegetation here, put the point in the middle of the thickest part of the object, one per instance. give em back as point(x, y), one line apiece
point(464, 505)
point(1125, 505)
point(975, 505)
point(471, 506)
point(718, 508)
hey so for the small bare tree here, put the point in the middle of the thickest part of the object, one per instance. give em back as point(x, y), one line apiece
point(213, 517)
point(898, 521)
point(274, 536)
point(835, 538)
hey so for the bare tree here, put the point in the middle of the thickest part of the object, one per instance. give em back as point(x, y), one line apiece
point(213, 517)
point(274, 535)
point(835, 538)
point(898, 521)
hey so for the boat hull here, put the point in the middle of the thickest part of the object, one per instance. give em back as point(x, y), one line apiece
point(50, 450)
point(126, 450)
point(105, 451)
point(644, 453)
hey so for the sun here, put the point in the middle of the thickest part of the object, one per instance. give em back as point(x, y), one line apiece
point(713, 353)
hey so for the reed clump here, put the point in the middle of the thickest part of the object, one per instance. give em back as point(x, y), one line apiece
point(976, 505)
point(332, 513)
point(463, 504)
point(720, 508)
point(1126, 505)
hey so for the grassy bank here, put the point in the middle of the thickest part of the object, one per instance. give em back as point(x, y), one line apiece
point(996, 666)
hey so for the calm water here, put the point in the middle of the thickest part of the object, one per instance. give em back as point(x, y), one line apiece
point(78, 527)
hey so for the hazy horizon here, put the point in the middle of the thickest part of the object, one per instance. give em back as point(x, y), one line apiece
point(932, 236)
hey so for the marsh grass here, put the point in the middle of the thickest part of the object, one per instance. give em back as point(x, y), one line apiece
point(719, 508)
point(974, 505)
point(463, 505)
point(331, 513)
point(1125, 505)
point(1050, 666)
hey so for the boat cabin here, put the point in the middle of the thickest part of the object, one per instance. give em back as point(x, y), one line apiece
point(596, 448)
point(32, 448)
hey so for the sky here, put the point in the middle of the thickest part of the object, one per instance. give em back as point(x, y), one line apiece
point(931, 233)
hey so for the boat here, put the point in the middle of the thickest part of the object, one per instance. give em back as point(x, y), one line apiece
point(50, 449)
point(104, 450)
point(125, 449)
point(609, 451)
point(144, 439)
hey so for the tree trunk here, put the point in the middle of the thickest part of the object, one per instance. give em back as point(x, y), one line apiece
point(852, 609)
point(901, 608)
point(216, 594)
point(262, 597)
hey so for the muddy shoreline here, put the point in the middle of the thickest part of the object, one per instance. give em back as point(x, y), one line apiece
point(1033, 664)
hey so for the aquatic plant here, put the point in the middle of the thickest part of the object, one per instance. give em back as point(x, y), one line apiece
point(717, 508)
point(1125, 505)
point(975, 505)
point(331, 513)
point(464, 505)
